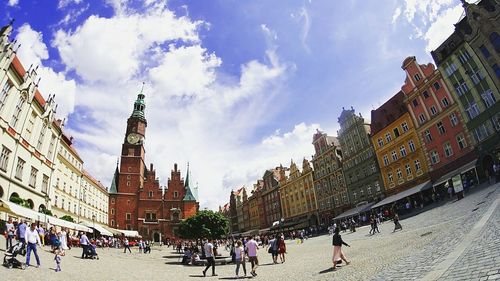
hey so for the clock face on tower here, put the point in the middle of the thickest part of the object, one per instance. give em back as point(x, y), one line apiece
point(133, 138)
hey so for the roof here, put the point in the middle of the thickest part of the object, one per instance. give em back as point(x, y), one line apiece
point(387, 113)
point(69, 142)
point(95, 181)
point(114, 182)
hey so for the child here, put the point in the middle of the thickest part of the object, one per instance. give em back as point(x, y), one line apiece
point(57, 258)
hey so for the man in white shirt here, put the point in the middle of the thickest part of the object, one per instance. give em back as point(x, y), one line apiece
point(209, 253)
point(84, 242)
point(252, 248)
point(33, 239)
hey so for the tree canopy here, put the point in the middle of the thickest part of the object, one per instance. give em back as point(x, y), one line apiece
point(205, 224)
point(67, 218)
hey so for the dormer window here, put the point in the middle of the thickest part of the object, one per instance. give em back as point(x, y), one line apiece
point(417, 77)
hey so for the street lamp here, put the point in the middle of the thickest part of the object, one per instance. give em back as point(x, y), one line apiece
point(93, 223)
point(281, 224)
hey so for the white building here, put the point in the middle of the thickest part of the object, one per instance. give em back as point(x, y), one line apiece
point(94, 201)
point(28, 132)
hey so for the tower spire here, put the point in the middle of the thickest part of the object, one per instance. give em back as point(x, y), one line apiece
point(114, 183)
point(189, 195)
point(139, 104)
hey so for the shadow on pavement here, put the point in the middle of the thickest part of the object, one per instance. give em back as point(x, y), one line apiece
point(330, 269)
point(201, 275)
point(172, 256)
point(235, 278)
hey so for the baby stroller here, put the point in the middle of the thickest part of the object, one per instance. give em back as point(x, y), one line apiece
point(90, 252)
point(9, 259)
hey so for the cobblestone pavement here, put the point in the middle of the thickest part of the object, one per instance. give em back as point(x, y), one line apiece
point(425, 242)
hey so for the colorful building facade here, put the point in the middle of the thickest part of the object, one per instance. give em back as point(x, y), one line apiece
point(329, 183)
point(271, 197)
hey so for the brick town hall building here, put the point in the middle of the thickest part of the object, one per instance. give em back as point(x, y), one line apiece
point(136, 199)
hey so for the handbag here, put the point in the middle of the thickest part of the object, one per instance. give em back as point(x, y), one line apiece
point(270, 250)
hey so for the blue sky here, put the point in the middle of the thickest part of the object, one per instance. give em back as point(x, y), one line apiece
point(233, 87)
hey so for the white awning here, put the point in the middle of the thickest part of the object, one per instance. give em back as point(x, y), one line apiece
point(403, 194)
point(18, 210)
point(130, 233)
point(469, 166)
point(67, 224)
point(354, 211)
point(99, 228)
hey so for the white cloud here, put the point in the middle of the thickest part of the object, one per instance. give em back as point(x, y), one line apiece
point(442, 28)
point(34, 51)
point(195, 113)
point(13, 3)
point(396, 15)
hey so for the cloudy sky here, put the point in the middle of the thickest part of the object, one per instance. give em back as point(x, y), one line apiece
point(232, 87)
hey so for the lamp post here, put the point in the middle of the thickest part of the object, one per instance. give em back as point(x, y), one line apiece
point(93, 223)
point(281, 224)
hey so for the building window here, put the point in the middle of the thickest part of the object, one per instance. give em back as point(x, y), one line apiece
point(388, 137)
point(55, 200)
point(4, 158)
point(19, 168)
point(377, 186)
point(5, 92)
point(128, 216)
point(128, 183)
point(495, 67)
point(45, 184)
point(485, 51)
point(411, 145)
point(396, 132)
point(463, 56)
point(476, 76)
point(450, 69)
point(33, 175)
point(445, 102)
point(17, 111)
point(30, 126)
point(437, 86)
point(448, 151)
point(394, 155)
point(421, 118)
point(51, 146)
point(62, 203)
point(405, 127)
point(433, 110)
point(488, 98)
point(112, 211)
point(481, 132)
point(403, 151)
point(472, 110)
point(399, 173)
point(176, 194)
point(425, 94)
point(415, 103)
point(461, 141)
point(408, 169)
point(150, 216)
point(417, 77)
point(417, 165)
point(434, 157)
point(150, 194)
point(441, 128)
point(390, 178)
point(453, 119)
point(380, 142)
point(41, 137)
point(386, 160)
point(428, 136)
point(495, 41)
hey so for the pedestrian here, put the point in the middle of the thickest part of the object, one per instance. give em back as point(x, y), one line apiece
point(141, 246)
point(397, 225)
point(41, 233)
point(63, 240)
point(239, 258)
point(273, 249)
point(85, 243)
point(126, 245)
point(209, 254)
point(10, 231)
point(251, 248)
point(338, 254)
point(21, 232)
point(33, 240)
point(372, 225)
point(58, 258)
point(281, 248)
point(375, 226)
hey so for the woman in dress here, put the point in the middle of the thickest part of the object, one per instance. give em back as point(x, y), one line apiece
point(63, 239)
point(397, 225)
point(281, 248)
point(338, 254)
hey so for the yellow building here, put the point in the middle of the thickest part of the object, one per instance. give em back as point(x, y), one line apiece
point(399, 152)
point(255, 206)
point(298, 197)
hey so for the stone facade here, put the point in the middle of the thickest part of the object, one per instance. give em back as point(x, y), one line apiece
point(359, 162)
point(399, 153)
point(271, 197)
point(329, 183)
point(470, 63)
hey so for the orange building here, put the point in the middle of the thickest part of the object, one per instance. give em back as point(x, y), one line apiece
point(399, 152)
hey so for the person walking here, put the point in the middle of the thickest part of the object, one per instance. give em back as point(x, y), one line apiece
point(63, 240)
point(338, 254)
point(251, 248)
point(239, 258)
point(33, 239)
point(21, 232)
point(126, 245)
point(273, 249)
point(281, 248)
point(209, 254)
point(57, 258)
point(10, 231)
point(397, 225)
point(85, 243)
point(41, 232)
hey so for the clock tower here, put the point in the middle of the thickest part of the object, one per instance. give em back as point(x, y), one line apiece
point(128, 181)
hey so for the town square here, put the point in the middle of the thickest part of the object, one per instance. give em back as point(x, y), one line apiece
point(224, 140)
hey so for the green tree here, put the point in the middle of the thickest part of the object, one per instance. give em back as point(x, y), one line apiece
point(67, 218)
point(205, 224)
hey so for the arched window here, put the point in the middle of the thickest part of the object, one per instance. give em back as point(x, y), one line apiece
point(495, 41)
point(1, 192)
